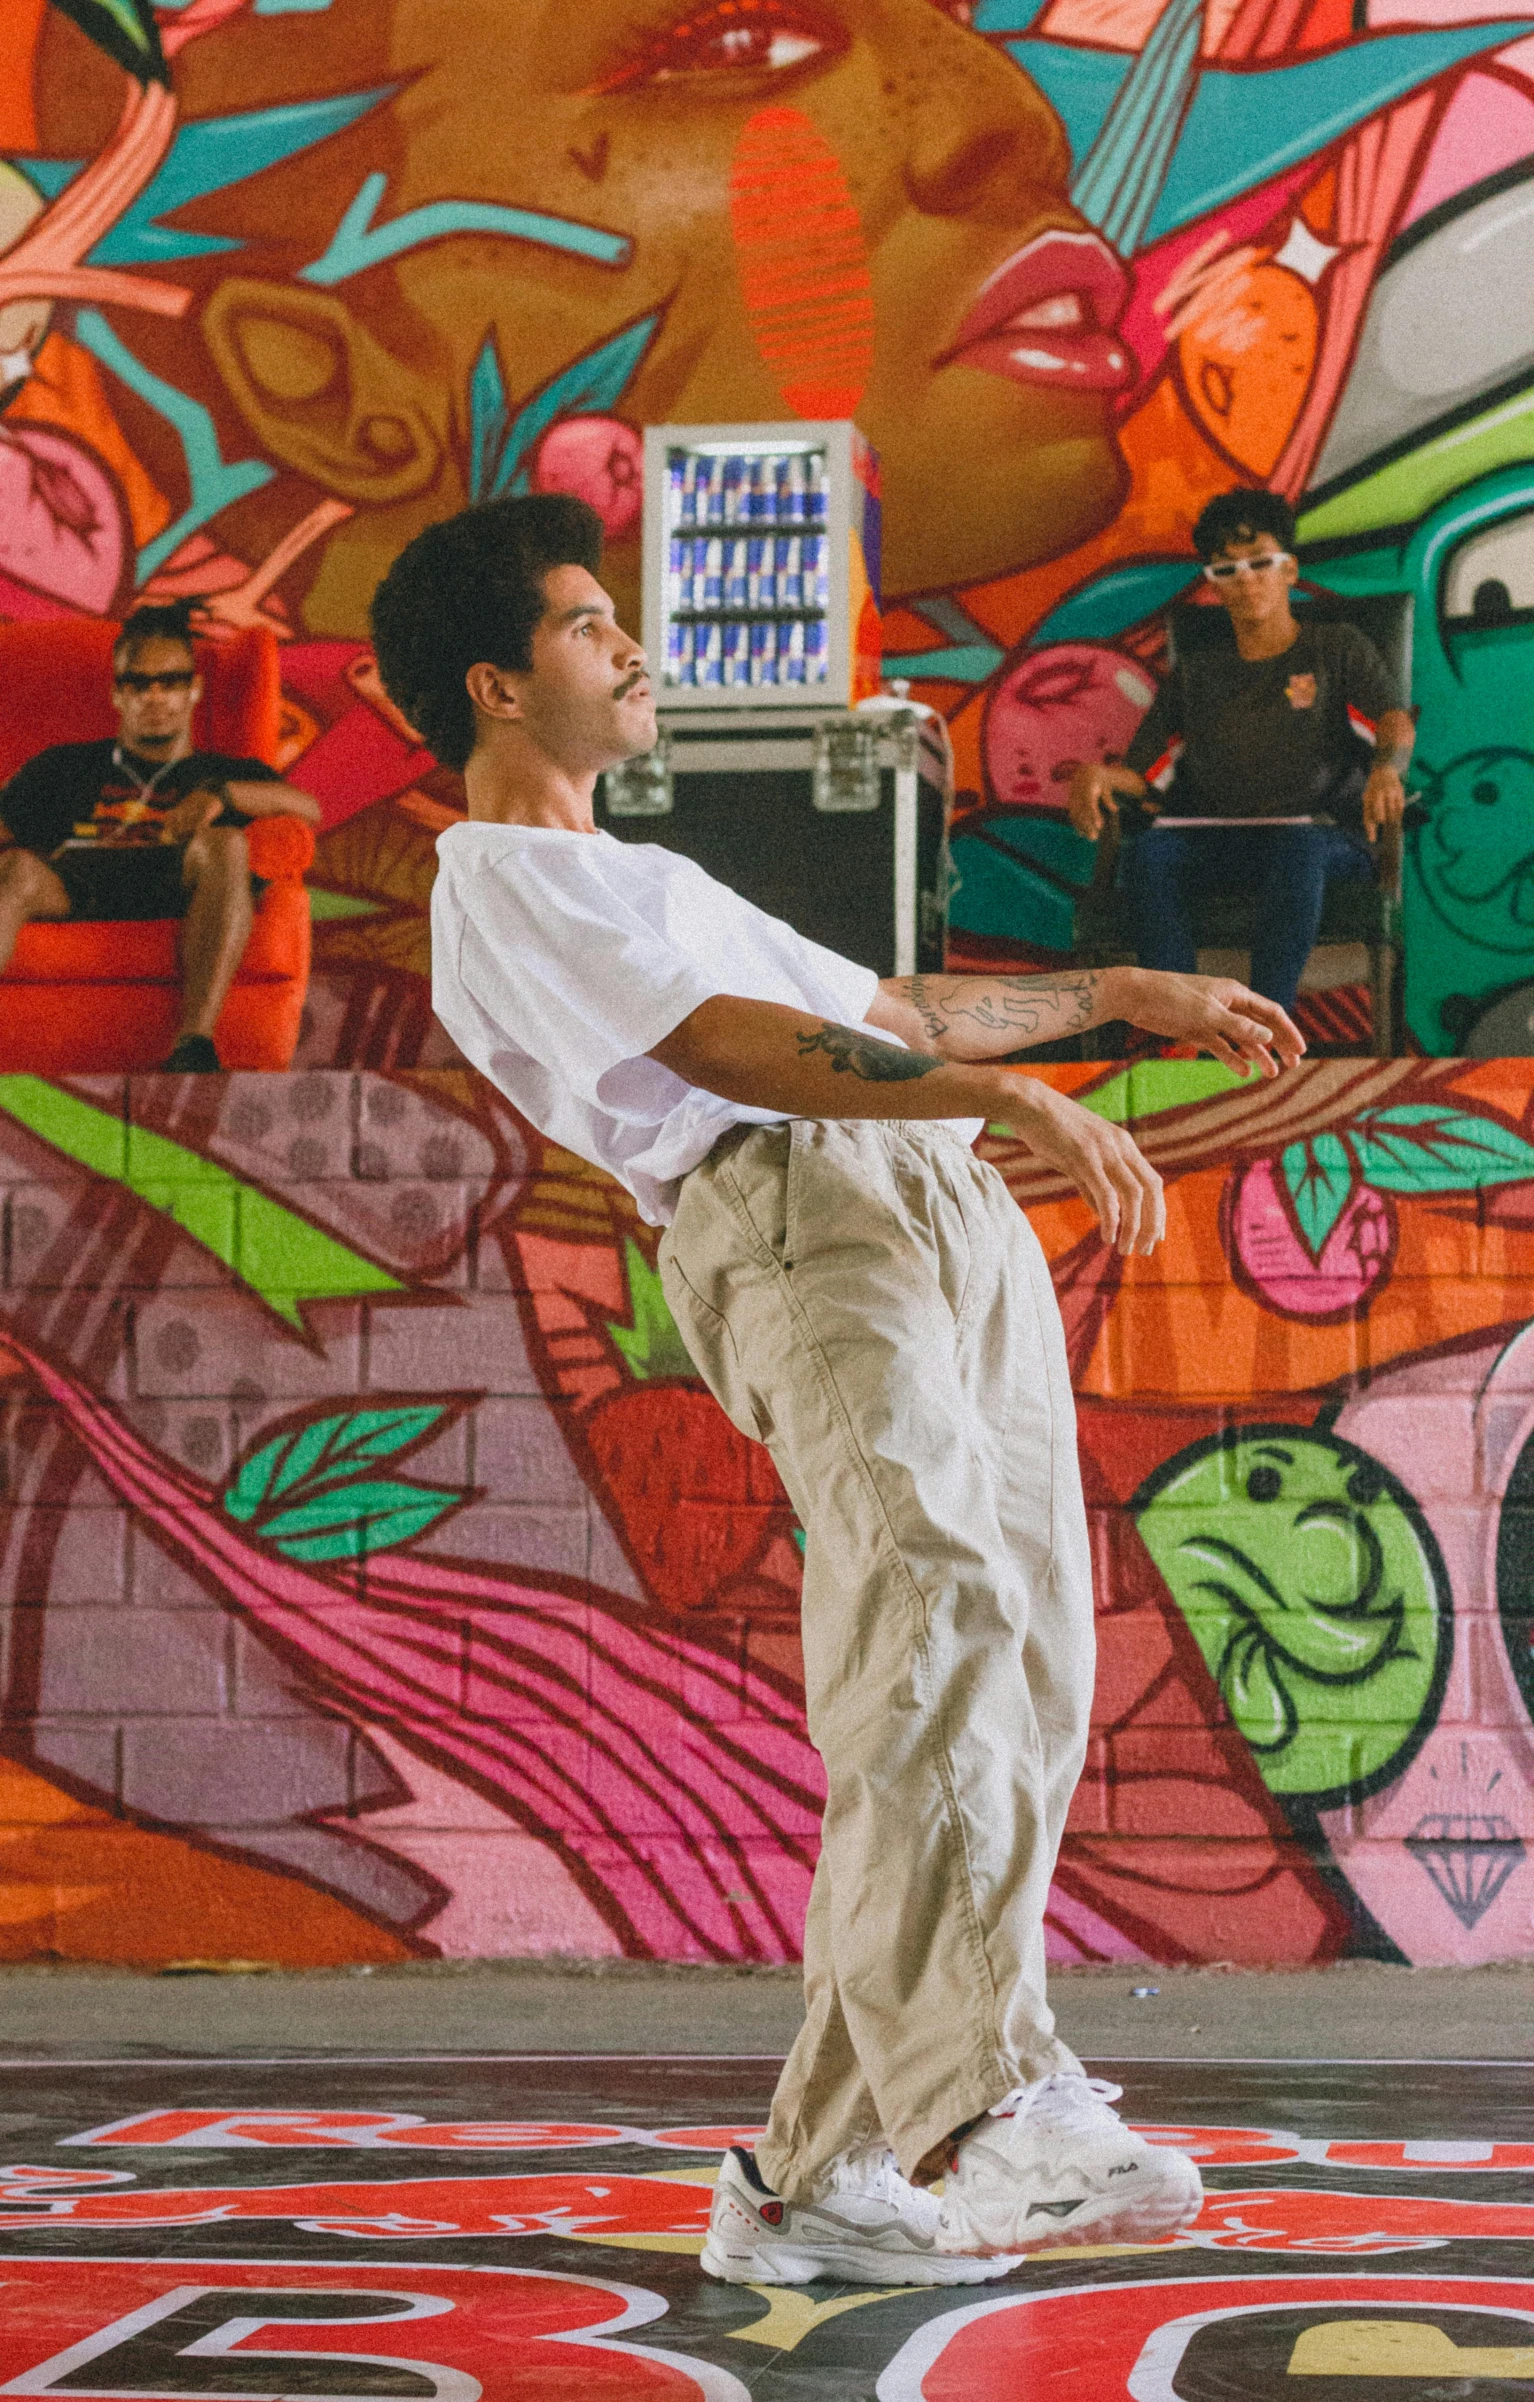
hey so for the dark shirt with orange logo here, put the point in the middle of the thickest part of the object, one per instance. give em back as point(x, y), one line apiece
point(92, 796)
point(1284, 737)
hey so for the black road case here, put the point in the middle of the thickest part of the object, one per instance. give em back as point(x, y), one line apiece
point(835, 820)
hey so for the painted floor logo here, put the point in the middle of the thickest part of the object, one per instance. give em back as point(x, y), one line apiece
point(1353, 2339)
point(237, 2331)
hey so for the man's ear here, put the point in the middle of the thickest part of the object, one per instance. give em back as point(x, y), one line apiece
point(320, 394)
point(493, 691)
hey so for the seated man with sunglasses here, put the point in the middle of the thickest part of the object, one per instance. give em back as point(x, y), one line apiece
point(145, 826)
point(1272, 764)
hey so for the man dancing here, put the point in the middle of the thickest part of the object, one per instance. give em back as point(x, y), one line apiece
point(863, 1296)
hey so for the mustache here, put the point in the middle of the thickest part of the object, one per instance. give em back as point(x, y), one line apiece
point(623, 690)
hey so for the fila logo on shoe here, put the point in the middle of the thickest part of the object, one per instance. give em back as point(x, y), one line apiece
point(771, 2212)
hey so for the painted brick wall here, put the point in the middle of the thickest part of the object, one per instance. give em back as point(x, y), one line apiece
point(377, 1577)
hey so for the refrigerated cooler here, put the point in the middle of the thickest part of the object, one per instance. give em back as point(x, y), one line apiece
point(761, 565)
point(782, 767)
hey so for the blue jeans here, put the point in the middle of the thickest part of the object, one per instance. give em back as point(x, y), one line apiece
point(1285, 869)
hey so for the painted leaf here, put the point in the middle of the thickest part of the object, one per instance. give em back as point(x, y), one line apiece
point(487, 421)
point(354, 1539)
point(1423, 1147)
point(1319, 1176)
point(369, 1514)
point(501, 447)
point(323, 1452)
point(652, 1346)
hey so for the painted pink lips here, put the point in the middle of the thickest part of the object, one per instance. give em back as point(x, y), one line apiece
point(1048, 316)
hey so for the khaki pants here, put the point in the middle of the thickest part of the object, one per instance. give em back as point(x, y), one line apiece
point(869, 1301)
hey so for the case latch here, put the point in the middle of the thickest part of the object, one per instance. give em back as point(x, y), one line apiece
point(846, 775)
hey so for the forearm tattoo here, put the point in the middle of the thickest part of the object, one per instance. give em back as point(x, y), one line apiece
point(852, 1054)
point(1020, 1008)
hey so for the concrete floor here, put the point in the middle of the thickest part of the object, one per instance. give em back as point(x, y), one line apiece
point(1360, 2011)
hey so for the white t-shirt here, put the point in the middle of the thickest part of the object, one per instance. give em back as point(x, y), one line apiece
point(560, 959)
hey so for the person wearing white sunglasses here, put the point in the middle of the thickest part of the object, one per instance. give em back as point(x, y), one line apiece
point(1267, 766)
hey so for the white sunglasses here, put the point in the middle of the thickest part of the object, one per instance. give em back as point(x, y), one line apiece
point(1224, 570)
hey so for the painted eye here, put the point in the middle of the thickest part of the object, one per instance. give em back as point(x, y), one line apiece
point(1264, 1484)
point(750, 37)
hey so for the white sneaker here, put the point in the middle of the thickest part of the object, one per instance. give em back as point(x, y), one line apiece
point(869, 2226)
point(1053, 2165)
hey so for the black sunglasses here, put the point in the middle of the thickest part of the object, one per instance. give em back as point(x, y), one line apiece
point(175, 679)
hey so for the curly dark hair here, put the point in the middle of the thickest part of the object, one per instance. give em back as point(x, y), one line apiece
point(471, 589)
point(1243, 516)
point(167, 621)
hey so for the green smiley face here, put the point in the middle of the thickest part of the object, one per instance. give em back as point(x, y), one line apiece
point(1316, 1594)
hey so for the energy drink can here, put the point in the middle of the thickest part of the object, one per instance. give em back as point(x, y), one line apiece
point(817, 651)
point(708, 655)
point(679, 575)
point(759, 573)
point(737, 655)
point(816, 583)
point(764, 491)
point(791, 652)
point(736, 488)
point(678, 654)
point(679, 486)
point(764, 653)
point(788, 590)
point(791, 490)
point(711, 491)
point(712, 595)
point(737, 573)
point(816, 497)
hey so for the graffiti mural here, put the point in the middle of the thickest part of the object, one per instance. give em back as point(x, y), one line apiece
point(380, 1581)
point(277, 289)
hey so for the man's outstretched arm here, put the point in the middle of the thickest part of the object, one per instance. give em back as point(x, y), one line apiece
point(807, 1067)
point(988, 1017)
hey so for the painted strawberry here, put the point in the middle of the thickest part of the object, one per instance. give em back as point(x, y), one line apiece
point(700, 1507)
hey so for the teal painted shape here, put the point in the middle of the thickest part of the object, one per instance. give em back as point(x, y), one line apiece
point(1121, 179)
point(997, 896)
point(215, 481)
point(1113, 601)
point(358, 243)
point(1468, 886)
point(588, 387)
point(965, 663)
point(488, 421)
point(289, 8)
point(205, 156)
point(999, 891)
point(1247, 125)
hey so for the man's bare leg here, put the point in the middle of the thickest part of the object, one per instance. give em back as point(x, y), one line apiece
point(216, 872)
point(28, 889)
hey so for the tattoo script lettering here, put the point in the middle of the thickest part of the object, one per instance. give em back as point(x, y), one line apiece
point(852, 1054)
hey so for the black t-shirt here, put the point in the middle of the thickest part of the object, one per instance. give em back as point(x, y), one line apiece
point(91, 796)
point(1233, 737)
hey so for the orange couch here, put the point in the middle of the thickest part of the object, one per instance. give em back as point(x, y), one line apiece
point(91, 998)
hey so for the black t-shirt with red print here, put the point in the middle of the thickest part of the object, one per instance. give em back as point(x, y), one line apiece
point(95, 797)
point(1233, 737)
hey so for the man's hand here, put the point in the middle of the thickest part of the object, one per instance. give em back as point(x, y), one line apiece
point(1238, 1027)
point(1384, 800)
point(186, 821)
point(1105, 1164)
point(1095, 789)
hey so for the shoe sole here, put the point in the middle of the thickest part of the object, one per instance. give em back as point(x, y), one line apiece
point(787, 2265)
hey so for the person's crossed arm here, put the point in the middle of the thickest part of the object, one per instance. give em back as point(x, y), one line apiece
point(206, 802)
point(959, 1029)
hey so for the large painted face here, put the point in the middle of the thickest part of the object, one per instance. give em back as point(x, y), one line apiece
point(992, 366)
point(1316, 1595)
